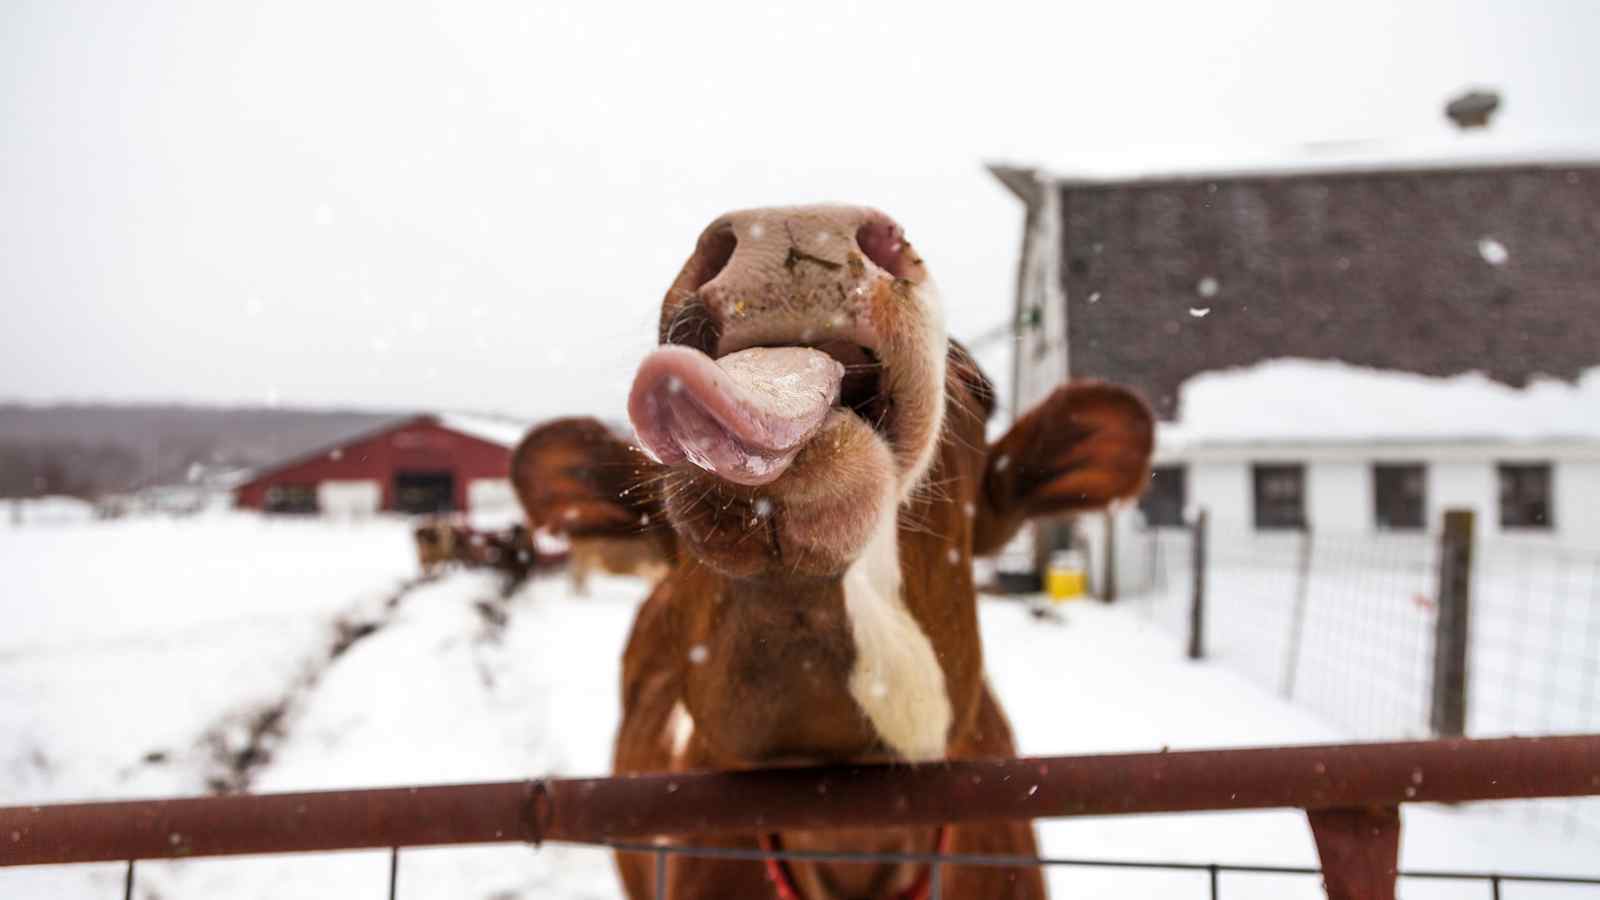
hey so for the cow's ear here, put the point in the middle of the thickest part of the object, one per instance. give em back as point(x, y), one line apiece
point(575, 477)
point(1085, 446)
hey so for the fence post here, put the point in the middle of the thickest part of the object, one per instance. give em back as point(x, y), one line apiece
point(1109, 594)
point(1452, 626)
point(1197, 596)
point(1297, 621)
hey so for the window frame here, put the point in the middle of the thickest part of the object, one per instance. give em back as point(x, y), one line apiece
point(1263, 517)
point(1157, 495)
point(1510, 476)
point(1399, 469)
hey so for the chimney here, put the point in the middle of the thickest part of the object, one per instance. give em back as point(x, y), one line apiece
point(1473, 109)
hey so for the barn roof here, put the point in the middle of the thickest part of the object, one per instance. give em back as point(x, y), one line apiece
point(1170, 162)
point(1474, 268)
point(499, 431)
point(496, 430)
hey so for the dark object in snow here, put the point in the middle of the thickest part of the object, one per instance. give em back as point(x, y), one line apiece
point(1044, 612)
point(1473, 109)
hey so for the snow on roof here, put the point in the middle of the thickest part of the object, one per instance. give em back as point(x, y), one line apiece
point(1163, 163)
point(496, 430)
point(1315, 401)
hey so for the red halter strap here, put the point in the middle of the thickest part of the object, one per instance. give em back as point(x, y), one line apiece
point(783, 880)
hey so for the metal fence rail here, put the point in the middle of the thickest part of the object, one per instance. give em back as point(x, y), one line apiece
point(1351, 792)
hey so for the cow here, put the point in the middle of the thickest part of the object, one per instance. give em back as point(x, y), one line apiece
point(435, 541)
point(812, 467)
point(633, 556)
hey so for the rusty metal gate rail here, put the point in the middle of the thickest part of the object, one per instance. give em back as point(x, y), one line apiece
point(1351, 793)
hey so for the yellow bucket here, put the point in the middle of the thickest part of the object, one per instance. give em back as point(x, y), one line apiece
point(1065, 579)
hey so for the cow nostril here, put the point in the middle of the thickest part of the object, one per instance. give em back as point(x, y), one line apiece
point(885, 244)
point(712, 256)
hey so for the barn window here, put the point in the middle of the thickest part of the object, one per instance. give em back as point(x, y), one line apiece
point(291, 498)
point(1280, 495)
point(1399, 495)
point(424, 492)
point(1525, 495)
point(1165, 497)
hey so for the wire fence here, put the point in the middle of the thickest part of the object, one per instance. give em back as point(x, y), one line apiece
point(1214, 880)
point(1345, 626)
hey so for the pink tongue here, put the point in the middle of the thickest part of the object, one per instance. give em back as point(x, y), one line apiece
point(742, 417)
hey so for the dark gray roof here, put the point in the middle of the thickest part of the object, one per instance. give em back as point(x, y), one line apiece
point(1436, 271)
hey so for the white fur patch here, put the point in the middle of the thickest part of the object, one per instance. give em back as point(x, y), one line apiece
point(680, 728)
point(897, 680)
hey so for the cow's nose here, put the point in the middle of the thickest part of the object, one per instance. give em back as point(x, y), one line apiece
point(762, 270)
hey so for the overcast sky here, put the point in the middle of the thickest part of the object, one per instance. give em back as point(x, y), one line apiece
point(478, 207)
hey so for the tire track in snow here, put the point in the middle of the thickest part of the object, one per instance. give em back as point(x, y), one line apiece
point(241, 742)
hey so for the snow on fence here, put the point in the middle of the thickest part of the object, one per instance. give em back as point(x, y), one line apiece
point(1348, 626)
point(1352, 795)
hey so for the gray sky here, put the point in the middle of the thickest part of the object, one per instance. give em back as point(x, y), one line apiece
point(479, 207)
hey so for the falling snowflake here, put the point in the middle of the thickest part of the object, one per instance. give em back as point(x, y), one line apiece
point(698, 654)
point(1493, 252)
point(1207, 287)
point(1199, 312)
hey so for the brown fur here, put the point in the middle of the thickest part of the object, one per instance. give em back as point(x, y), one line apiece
point(749, 632)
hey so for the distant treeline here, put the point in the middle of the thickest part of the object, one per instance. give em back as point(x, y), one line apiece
point(66, 467)
point(88, 450)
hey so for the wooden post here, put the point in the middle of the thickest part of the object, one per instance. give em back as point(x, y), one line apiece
point(1197, 596)
point(1109, 594)
point(1452, 626)
point(1297, 621)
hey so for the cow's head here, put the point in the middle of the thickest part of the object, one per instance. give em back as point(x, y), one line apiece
point(812, 451)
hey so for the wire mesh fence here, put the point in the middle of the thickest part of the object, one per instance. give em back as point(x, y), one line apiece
point(1345, 625)
point(396, 876)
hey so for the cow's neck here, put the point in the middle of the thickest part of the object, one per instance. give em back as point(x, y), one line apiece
point(816, 669)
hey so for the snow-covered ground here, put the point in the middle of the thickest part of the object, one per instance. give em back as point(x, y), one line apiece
point(149, 657)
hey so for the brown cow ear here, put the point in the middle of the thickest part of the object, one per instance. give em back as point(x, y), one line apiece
point(1085, 446)
point(575, 477)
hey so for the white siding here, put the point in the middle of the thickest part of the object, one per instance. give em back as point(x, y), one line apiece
point(1339, 496)
point(349, 499)
point(1577, 503)
point(1464, 485)
point(1223, 490)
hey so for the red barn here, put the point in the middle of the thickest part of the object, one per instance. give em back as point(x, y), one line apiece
point(424, 464)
